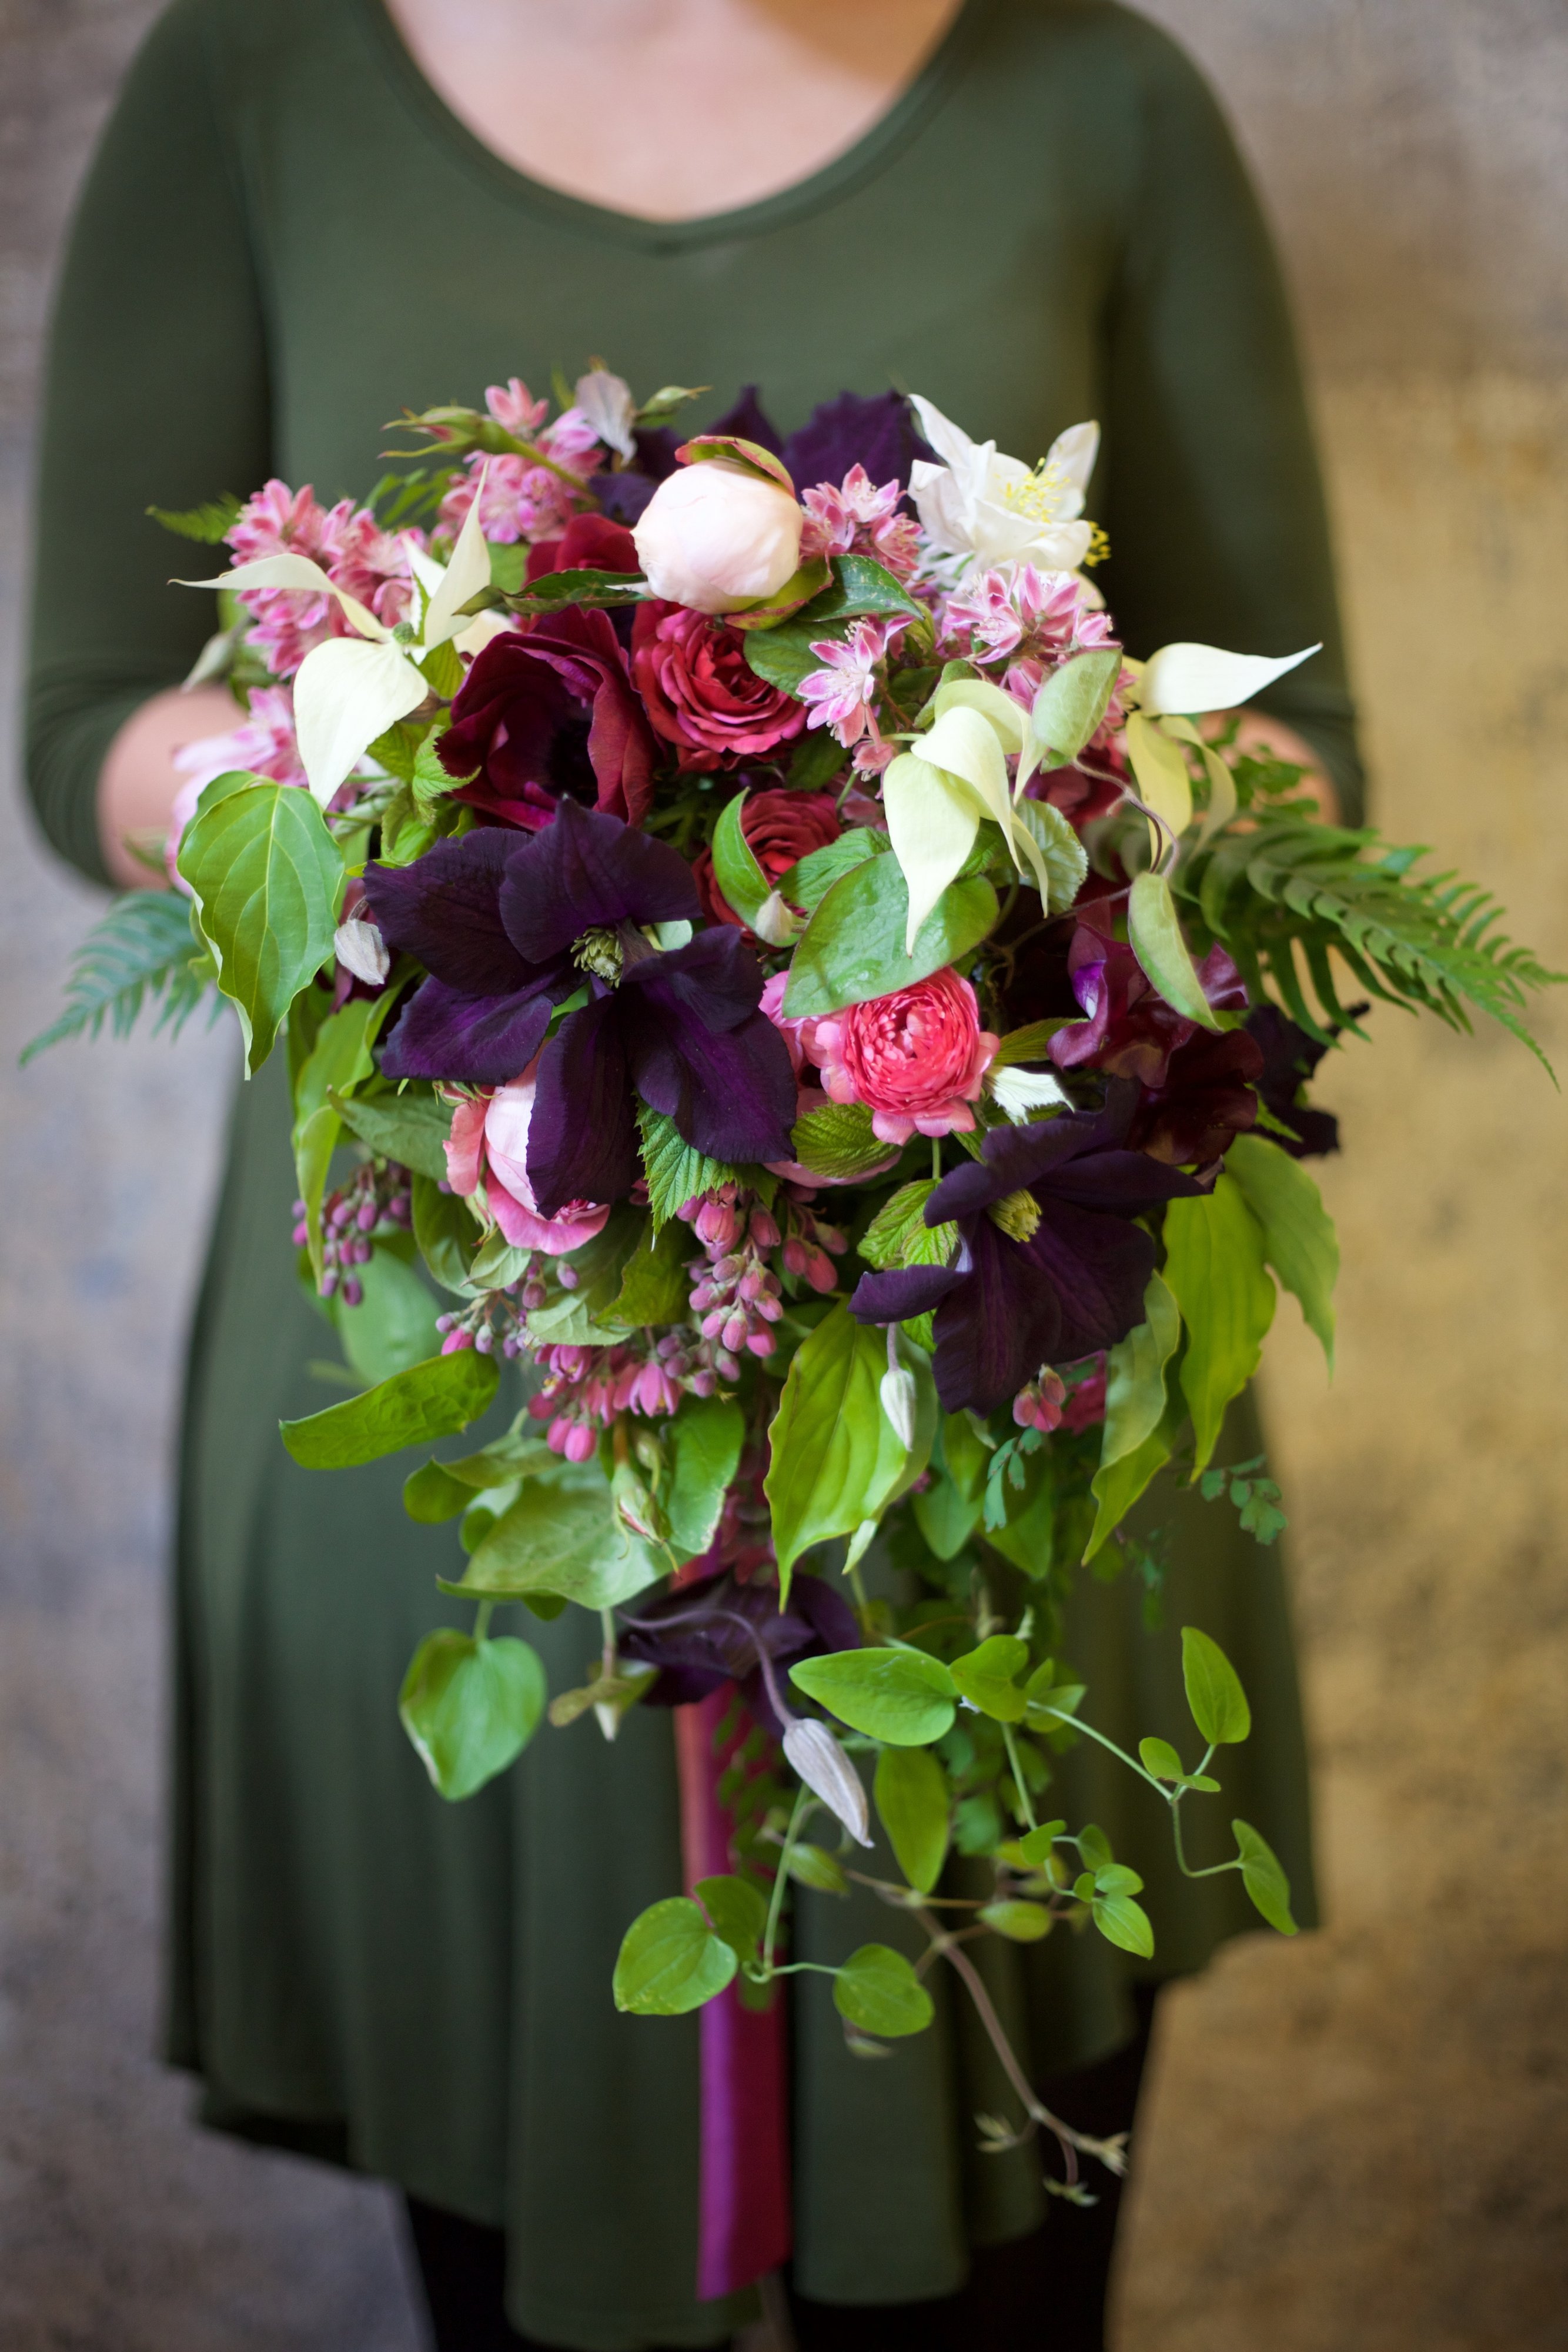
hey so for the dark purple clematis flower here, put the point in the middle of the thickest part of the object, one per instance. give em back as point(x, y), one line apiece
point(877, 432)
point(718, 1631)
point(1063, 1277)
point(1290, 1058)
point(509, 927)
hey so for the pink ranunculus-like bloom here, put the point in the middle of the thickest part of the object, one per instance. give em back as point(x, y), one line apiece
point(716, 536)
point(842, 694)
point(917, 1058)
point(510, 1195)
point(857, 519)
point(700, 692)
point(263, 743)
point(370, 564)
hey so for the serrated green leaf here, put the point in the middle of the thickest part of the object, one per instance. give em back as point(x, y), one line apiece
point(1214, 1265)
point(1299, 1238)
point(853, 948)
point(1264, 1879)
point(838, 1142)
point(471, 1707)
point(209, 523)
point(670, 1960)
point(914, 1805)
point(1214, 1691)
point(903, 1696)
point(654, 1283)
point(675, 1170)
point(877, 1989)
point(898, 1234)
point(434, 1399)
point(267, 876)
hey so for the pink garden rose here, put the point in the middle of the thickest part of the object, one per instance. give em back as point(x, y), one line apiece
point(489, 1143)
point(717, 536)
point(916, 1057)
point(699, 691)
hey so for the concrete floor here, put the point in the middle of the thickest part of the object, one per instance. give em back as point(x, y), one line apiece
point(1357, 2140)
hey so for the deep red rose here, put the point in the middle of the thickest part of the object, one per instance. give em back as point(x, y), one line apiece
point(590, 543)
point(1206, 1098)
point(699, 692)
point(546, 711)
point(781, 828)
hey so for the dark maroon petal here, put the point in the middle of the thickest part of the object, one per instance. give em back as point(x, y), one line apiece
point(749, 420)
point(713, 979)
point(589, 870)
point(582, 1137)
point(994, 1332)
point(1116, 1183)
point(831, 1621)
point(731, 1093)
point(1099, 1268)
point(1014, 1158)
point(445, 909)
point(485, 1041)
point(878, 432)
point(899, 1294)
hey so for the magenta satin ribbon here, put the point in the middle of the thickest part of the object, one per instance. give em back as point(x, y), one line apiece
point(744, 2216)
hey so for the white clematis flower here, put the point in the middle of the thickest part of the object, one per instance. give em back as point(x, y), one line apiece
point(606, 400)
point(351, 689)
point(992, 509)
point(935, 799)
point(1189, 680)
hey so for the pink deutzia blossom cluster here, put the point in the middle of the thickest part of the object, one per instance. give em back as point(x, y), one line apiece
point(1016, 609)
point(842, 694)
point(520, 500)
point(858, 519)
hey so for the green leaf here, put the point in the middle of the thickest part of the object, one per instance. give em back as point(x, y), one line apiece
point(670, 1961)
point(741, 881)
point(1117, 1487)
point(1155, 935)
point(903, 1696)
point(739, 1912)
point(818, 758)
point(410, 1129)
point(808, 884)
point(704, 1439)
point(1214, 1691)
point(988, 1676)
point(966, 1455)
point(1124, 1923)
point(580, 585)
point(1021, 1923)
point(1065, 858)
point(445, 1229)
point(1024, 1530)
point(1214, 1264)
point(853, 948)
point(836, 1457)
point(431, 1495)
point(1135, 1375)
point(1299, 1238)
point(654, 1281)
point(1264, 1879)
point(434, 1399)
point(471, 1707)
point(210, 523)
point(877, 1989)
point(563, 1537)
point(914, 1806)
point(1035, 1849)
point(394, 1326)
point(945, 1517)
point(142, 949)
point(676, 1172)
point(899, 1236)
point(1070, 706)
point(816, 1868)
point(839, 1141)
point(783, 656)
point(1094, 1847)
point(267, 875)
point(1160, 1758)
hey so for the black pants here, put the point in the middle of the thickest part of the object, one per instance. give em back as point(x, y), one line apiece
point(1048, 2289)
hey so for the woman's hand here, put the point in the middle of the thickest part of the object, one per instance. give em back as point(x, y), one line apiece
point(139, 779)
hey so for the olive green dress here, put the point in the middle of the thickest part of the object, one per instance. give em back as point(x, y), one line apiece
point(285, 238)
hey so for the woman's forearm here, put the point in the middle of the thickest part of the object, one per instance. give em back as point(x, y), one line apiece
point(139, 779)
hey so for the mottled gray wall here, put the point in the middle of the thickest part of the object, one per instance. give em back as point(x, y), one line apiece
point(1357, 2140)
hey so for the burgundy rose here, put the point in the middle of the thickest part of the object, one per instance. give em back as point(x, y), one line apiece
point(781, 828)
point(590, 543)
point(699, 692)
point(546, 711)
point(1205, 1097)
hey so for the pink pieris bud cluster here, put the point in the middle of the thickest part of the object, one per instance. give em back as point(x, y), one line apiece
point(1016, 610)
point(586, 1389)
point(1039, 1406)
point(736, 1295)
point(376, 1199)
point(811, 1245)
point(856, 517)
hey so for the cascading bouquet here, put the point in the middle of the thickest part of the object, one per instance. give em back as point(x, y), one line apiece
point(802, 988)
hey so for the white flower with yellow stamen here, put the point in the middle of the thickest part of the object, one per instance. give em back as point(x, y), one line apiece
point(990, 509)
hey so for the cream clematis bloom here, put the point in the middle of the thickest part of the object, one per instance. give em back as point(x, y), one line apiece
point(351, 689)
point(993, 509)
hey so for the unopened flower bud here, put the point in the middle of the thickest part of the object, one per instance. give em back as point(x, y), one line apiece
point(899, 1400)
point(827, 1772)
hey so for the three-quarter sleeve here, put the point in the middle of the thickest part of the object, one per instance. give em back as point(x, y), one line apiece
point(156, 393)
point(1215, 513)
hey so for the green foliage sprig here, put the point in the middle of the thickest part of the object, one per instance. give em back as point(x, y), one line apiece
point(143, 951)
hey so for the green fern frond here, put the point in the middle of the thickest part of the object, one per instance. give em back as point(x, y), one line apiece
point(143, 948)
point(1284, 892)
point(210, 522)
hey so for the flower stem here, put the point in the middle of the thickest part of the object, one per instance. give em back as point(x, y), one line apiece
point(1019, 1782)
point(771, 1936)
point(482, 1620)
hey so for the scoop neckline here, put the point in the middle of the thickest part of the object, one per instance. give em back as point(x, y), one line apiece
point(860, 162)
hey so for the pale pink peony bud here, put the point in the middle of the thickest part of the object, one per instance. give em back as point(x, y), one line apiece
point(716, 537)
